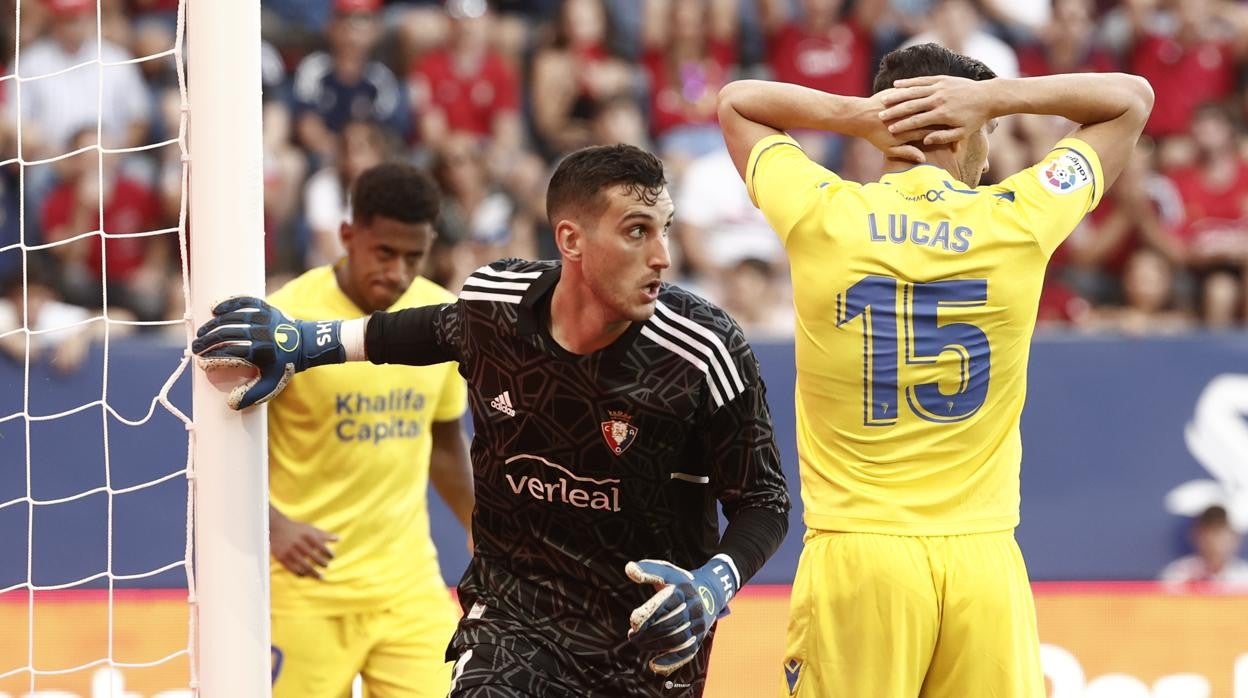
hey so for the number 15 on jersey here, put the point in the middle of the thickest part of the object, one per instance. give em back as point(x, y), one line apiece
point(921, 338)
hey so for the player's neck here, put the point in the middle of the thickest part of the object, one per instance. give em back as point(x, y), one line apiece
point(579, 322)
point(348, 289)
point(943, 159)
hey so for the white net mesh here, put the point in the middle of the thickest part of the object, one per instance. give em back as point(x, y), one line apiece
point(95, 563)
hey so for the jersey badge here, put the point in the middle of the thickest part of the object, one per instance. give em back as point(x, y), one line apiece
point(1066, 173)
point(619, 432)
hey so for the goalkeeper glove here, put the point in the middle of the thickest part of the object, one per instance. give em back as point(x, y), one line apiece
point(678, 617)
point(248, 332)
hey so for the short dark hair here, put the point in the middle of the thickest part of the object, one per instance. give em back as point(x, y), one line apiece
point(927, 59)
point(580, 179)
point(395, 190)
point(1213, 517)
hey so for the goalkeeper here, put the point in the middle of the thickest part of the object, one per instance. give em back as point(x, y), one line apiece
point(612, 412)
point(356, 587)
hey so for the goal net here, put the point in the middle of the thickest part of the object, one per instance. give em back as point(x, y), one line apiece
point(132, 555)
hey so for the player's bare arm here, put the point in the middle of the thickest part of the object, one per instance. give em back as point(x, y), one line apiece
point(450, 470)
point(751, 110)
point(1111, 108)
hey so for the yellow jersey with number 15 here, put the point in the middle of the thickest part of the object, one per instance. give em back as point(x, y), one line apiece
point(349, 450)
point(916, 298)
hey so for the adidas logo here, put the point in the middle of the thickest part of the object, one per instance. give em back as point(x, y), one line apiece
point(502, 403)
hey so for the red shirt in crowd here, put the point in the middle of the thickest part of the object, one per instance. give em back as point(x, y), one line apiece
point(1183, 78)
point(837, 60)
point(470, 102)
point(131, 208)
point(674, 88)
point(1202, 199)
point(1033, 61)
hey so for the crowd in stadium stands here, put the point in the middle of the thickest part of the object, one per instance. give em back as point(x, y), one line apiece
point(488, 95)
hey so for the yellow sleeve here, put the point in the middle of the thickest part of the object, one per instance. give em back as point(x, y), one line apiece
point(453, 399)
point(785, 184)
point(1052, 196)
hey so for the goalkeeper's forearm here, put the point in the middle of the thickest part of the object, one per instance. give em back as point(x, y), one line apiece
point(1084, 98)
point(753, 535)
point(786, 107)
point(402, 337)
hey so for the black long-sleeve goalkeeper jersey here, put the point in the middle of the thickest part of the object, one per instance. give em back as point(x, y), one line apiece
point(583, 463)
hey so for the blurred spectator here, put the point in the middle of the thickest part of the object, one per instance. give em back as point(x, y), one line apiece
point(753, 293)
point(94, 198)
point(573, 76)
point(1148, 299)
point(53, 109)
point(1187, 53)
point(1217, 553)
point(1142, 209)
point(478, 219)
point(467, 85)
point(326, 197)
point(819, 47)
point(1017, 18)
point(689, 54)
point(619, 120)
point(716, 223)
point(62, 332)
point(958, 26)
point(1222, 300)
point(1215, 198)
point(342, 84)
point(1066, 44)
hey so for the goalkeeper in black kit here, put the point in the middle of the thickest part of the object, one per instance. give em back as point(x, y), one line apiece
point(611, 412)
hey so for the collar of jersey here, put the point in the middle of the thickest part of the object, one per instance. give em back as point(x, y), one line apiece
point(927, 174)
point(527, 321)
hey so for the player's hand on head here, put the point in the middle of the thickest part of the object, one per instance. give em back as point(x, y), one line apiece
point(247, 332)
point(673, 622)
point(301, 548)
point(949, 108)
point(901, 146)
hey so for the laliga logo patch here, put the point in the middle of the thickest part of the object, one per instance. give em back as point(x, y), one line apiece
point(1067, 173)
point(618, 432)
point(287, 337)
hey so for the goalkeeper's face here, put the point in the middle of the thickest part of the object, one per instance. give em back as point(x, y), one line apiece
point(383, 257)
point(625, 252)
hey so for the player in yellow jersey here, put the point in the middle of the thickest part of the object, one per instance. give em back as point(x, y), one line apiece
point(916, 297)
point(356, 587)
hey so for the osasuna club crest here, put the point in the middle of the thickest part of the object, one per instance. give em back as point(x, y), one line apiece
point(618, 431)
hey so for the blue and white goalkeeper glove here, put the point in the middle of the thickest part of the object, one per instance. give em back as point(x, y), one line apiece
point(677, 618)
point(248, 332)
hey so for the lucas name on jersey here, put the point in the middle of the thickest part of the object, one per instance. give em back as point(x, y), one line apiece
point(375, 418)
point(901, 228)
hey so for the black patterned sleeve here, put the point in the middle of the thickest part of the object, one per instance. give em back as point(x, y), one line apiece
point(745, 471)
point(431, 334)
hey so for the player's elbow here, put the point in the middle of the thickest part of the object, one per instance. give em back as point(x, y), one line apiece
point(732, 96)
point(1139, 96)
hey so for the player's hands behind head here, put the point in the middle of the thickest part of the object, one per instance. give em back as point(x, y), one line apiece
point(900, 145)
point(674, 621)
point(248, 332)
point(948, 108)
point(301, 548)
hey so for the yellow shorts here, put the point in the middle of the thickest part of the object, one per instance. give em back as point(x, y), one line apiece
point(882, 616)
point(399, 652)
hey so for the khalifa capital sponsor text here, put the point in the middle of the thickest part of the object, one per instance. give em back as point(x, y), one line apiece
point(377, 417)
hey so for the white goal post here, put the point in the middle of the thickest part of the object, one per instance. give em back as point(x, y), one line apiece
point(231, 652)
